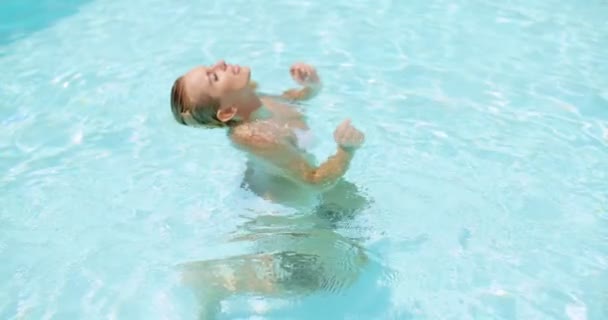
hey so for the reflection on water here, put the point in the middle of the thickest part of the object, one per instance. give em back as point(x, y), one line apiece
point(292, 255)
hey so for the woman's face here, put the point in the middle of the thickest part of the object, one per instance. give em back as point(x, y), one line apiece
point(220, 81)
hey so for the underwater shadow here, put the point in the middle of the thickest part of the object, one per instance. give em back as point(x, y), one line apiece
point(292, 256)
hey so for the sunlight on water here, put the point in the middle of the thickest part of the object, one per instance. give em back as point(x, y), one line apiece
point(484, 169)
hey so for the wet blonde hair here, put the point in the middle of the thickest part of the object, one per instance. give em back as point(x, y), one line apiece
point(203, 111)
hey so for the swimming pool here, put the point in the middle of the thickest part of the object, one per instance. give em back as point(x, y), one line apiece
point(486, 156)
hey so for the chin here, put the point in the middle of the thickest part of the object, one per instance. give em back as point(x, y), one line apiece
point(246, 78)
point(247, 73)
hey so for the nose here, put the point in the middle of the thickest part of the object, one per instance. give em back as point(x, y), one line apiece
point(220, 65)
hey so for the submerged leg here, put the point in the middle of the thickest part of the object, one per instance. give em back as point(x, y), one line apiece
point(294, 264)
point(215, 280)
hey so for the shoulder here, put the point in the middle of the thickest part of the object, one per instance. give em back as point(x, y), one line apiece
point(252, 136)
point(269, 99)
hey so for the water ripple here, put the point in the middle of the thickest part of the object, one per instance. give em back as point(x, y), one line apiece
point(487, 138)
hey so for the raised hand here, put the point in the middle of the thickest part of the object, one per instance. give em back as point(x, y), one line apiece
point(347, 136)
point(304, 74)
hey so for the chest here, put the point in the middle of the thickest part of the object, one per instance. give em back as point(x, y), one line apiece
point(285, 114)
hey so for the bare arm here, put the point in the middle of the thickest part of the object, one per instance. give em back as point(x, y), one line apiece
point(294, 164)
point(307, 77)
point(304, 93)
point(325, 174)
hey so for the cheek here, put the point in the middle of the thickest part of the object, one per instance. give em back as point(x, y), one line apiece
point(219, 88)
point(229, 83)
point(223, 83)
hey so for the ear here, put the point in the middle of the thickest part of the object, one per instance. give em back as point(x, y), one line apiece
point(226, 114)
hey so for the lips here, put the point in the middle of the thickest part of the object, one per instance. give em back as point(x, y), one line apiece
point(236, 69)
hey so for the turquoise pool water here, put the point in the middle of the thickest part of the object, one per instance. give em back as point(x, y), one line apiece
point(486, 158)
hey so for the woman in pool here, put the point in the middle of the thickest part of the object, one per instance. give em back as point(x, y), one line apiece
point(272, 133)
point(300, 254)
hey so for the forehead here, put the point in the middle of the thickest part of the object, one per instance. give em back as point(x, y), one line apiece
point(196, 74)
point(196, 71)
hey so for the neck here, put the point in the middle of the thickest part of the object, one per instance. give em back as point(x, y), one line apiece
point(250, 107)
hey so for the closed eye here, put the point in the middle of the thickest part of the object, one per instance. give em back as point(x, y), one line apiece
point(213, 77)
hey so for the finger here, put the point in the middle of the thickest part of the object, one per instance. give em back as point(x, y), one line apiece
point(360, 138)
point(342, 132)
point(351, 134)
point(344, 128)
point(339, 133)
